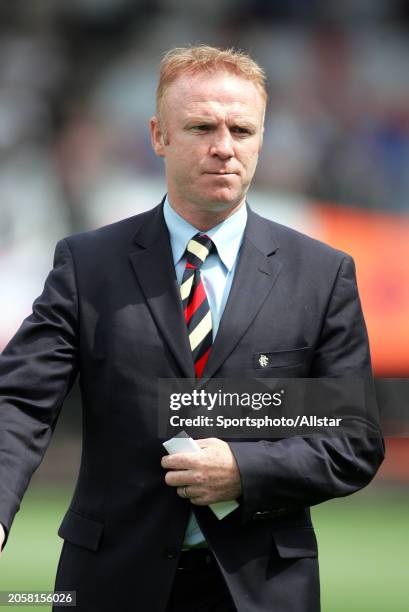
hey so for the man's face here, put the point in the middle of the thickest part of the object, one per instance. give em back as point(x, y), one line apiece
point(210, 137)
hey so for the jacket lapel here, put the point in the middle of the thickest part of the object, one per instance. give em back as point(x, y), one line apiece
point(153, 265)
point(255, 275)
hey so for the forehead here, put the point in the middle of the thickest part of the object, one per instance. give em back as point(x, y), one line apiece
point(214, 91)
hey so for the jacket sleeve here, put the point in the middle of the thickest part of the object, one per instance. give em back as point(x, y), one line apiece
point(280, 475)
point(37, 369)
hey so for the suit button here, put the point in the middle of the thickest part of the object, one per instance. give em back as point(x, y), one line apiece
point(259, 516)
point(170, 553)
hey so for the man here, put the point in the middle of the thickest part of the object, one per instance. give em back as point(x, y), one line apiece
point(111, 311)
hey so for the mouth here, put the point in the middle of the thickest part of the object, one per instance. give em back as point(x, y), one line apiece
point(221, 173)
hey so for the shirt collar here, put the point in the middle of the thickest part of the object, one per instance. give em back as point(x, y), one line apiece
point(227, 236)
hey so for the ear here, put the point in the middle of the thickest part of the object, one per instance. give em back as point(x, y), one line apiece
point(261, 138)
point(262, 129)
point(157, 137)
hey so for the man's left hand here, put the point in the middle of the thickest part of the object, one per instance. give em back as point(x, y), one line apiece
point(208, 476)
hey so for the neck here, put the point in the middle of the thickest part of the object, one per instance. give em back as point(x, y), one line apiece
point(204, 219)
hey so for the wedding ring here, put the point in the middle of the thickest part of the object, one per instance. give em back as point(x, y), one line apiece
point(185, 493)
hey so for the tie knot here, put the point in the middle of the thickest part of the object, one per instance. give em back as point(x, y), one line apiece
point(198, 248)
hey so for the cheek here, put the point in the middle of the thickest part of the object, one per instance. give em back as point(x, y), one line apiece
point(179, 163)
point(249, 159)
point(184, 158)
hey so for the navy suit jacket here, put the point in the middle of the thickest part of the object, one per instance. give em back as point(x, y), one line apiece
point(111, 313)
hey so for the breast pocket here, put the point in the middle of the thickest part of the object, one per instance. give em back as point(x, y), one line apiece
point(281, 359)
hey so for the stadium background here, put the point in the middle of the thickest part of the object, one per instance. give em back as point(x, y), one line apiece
point(77, 86)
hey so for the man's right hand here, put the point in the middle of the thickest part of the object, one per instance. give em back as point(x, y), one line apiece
point(2, 536)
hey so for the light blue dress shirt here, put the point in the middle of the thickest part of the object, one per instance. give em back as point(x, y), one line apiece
point(217, 275)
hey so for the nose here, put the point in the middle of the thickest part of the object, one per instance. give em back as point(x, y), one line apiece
point(222, 144)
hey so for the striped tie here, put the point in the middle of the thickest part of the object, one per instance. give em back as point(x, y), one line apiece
point(195, 305)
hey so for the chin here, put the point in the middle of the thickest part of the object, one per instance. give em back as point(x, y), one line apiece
point(224, 199)
point(219, 206)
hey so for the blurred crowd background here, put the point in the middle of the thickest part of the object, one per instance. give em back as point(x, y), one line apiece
point(77, 89)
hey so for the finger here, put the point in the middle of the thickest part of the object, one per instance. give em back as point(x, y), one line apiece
point(187, 492)
point(199, 500)
point(179, 461)
point(179, 478)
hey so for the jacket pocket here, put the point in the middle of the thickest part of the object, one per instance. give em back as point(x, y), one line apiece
point(280, 359)
point(295, 542)
point(80, 530)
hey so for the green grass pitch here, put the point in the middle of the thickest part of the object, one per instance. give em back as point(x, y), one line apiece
point(363, 548)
